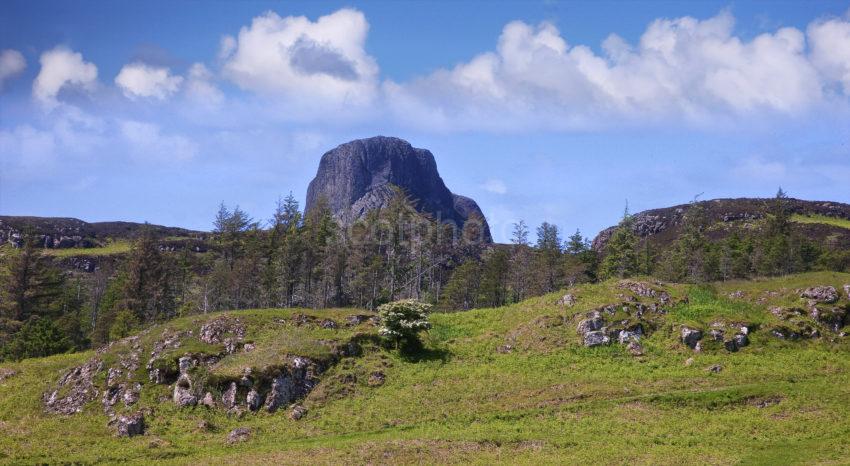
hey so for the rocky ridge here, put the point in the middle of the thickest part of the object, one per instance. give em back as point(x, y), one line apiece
point(662, 226)
point(187, 361)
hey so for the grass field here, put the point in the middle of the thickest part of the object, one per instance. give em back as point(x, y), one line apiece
point(822, 219)
point(110, 248)
point(459, 399)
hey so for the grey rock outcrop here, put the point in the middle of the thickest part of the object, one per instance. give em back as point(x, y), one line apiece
point(358, 176)
point(691, 336)
point(821, 294)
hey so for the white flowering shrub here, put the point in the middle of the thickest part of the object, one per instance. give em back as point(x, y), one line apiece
point(402, 320)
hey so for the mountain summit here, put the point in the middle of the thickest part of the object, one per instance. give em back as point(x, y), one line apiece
point(358, 176)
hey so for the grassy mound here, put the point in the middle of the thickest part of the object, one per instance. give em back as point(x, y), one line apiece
point(463, 398)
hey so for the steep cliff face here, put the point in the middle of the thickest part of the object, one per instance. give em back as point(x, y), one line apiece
point(358, 176)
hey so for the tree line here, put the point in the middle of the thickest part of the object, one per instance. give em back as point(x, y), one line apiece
point(298, 259)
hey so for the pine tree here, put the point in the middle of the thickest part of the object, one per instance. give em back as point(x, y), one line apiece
point(621, 251)
point(548, 256)
point(29, 285)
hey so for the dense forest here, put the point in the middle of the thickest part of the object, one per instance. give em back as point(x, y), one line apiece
point(299, 259)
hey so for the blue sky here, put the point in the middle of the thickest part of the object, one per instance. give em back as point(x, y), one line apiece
point(557, 111)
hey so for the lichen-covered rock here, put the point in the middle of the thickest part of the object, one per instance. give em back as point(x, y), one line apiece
point(833, 318)
point(208, 400)
point(328, 324)
point(821, 294)
point(280, 394)
point(240, 434)
point(228, 398)
point(297, 412)
point(625, 336)
point(183, 395)
point(639, 288)
point(568, 299)
point(716, 334)
point(6, 373)
point(223, 330)
point(596, 338)
point(376, 379)
point(254, 400)
point(635, 348)
point(129, 425)
point(691, 336)
point(78, 387)
point(593, 322)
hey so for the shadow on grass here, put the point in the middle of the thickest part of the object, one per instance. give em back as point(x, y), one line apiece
point(415, 351)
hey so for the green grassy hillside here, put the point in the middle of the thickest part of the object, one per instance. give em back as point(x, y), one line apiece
point(506, 385)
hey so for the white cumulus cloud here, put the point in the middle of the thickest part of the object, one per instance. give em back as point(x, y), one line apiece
point(680, 68)
point(315, 62)
point(140, 80)
point(200, 86)
point(60, 68)
point(11, 63)
point(829, 41)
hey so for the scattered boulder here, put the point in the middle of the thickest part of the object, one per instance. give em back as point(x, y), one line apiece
point(254, 400)
point(376, 379)
point(240, 434)
point(689, 361)
point(568, 299)
point(596, 338)
point(635, 349)
point(847, 291)
point(593, 322)
point(716, 334)
point(691, 336)
point(183, 395)
point(741, 340)
point(356, 319)
point(297, 412)
point(280, 393)
point(833, 318)
point(820, 294)
point(6, 373)
point(738, 294)
point(208, 400)
point(328, 324)
point(714, 369)
point(228, 398)
point(130, 425)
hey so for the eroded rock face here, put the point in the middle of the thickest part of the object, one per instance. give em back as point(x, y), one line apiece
point(356, 177)
point(821, 294)
point(223, 330)
point(78, 386)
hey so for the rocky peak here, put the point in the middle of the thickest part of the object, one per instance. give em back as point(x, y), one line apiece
point(358, 176)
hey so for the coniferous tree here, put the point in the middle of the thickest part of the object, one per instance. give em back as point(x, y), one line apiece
point(548, 256)
point(621, 251)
